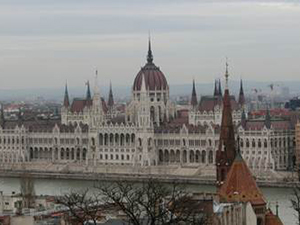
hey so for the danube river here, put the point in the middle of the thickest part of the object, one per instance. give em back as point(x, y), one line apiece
point(58, 187)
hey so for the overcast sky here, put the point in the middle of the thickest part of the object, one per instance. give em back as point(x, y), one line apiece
point(44, 43)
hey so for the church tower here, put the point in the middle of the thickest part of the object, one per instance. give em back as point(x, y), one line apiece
point(227, 149)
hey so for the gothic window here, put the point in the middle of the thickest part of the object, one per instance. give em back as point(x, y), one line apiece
point(105, 139)
point(152, 113)
point(122, 137)
point(184, 156)
point(160, 155)
point(259, 143)
point(192, 156)
point(132, 138)
point(247, 143)
point(177, 156)
point(166, 156)
point(127, 139)
point(253, 143)
point(140, 142)
point(111, 139)
point(203, 157)
point(93, 141)
point(116, 138)
point(84, 154)
point(265, 143)
point(197, 158)
point(210, 157)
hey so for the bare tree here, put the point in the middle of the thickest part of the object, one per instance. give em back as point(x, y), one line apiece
point(152, 202)
point(295, 200)
point(27, 191)
point(82, 206)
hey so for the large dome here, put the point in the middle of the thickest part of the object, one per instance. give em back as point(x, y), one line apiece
point(154, 78)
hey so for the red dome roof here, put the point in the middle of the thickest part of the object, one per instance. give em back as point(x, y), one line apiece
point(154, 78)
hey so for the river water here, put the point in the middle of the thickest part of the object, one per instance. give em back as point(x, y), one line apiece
point(57, 187)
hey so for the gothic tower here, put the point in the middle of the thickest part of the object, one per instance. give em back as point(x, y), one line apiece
point(227, 149)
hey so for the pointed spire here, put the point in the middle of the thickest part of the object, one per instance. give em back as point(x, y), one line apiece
point(220, 88)
point(216, 91)
point(96, 87)
point(227, 147)
point(110, 102)
point(66, 98)
point(194, 101)
point(149, 55)
point(241, 94)
point(88, 91)
point(268, 119)
point(226, 75)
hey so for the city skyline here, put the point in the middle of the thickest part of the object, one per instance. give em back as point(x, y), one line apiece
point(47, 43)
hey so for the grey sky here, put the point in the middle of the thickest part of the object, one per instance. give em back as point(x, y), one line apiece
point(44, 43)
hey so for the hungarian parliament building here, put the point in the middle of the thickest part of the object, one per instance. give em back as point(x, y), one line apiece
point(150, 131)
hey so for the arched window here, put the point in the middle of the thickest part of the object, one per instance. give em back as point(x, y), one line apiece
point(111, 139)
point(265, 143)
point(253, 143)
point(132, 138)
point(203, 157)
point(192, 156)
point(210, 157)
point(259, 143)
point(247, 143)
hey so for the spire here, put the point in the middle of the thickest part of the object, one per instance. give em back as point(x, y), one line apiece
point(241, 95)
point(194, 101)
point(149, 55)
point(220, 88)
point(66, 98)
point(2, 116)
point(216, 91)
point(227, 148)
point(226, 75)
point(268, 119)
point(88, 92)
point(96, 87)
point(110, 102)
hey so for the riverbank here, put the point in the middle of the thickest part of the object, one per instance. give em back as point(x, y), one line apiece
point(130, 177)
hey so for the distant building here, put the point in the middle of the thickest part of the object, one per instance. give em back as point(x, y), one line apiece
point(149, 131)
